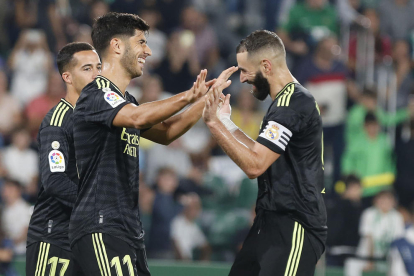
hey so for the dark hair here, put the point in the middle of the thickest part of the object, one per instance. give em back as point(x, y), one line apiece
point(113, 24)
point(370, 118)
point(352, 180)
point(12, 182)
point(65, 55)
point(259, 40)
point(369, 92)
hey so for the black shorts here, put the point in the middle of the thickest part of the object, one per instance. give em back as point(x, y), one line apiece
point(100, 254)
point(277, 246)
point(48, 259)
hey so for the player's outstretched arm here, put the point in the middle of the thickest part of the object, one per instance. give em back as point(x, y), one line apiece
point(172, 128)
point(253, 160)
point(150, 114)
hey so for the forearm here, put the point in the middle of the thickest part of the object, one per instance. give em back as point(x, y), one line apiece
point(149, 114)
point(241, 154)
point(243, 138)
point(181, 123)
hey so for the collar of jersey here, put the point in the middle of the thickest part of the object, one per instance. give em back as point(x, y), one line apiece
point(113, 84)
point(284, 88)
point(66, 102)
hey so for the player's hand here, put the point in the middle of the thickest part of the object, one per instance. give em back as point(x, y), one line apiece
point(200, 87)
point(225, 108)
point(224, 76)
point(212, 101)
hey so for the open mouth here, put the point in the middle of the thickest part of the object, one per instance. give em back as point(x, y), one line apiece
point(141, 60)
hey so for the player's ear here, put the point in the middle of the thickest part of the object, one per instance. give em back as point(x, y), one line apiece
point(67, 77)
point(116, 45)
point(266, 66)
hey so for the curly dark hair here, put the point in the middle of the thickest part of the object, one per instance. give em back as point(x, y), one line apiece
point(115, 24)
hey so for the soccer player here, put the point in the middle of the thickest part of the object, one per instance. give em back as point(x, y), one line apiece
point(289, 232)
point(48, 250)
point(105, 228)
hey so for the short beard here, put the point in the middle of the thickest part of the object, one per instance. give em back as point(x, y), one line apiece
point(128, 61)
point(262, 86)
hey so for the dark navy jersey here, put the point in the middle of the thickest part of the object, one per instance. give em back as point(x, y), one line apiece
point(58, 176)
point(107, 159)
point(293, 184)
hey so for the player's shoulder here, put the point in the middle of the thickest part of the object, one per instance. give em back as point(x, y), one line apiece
point(98, 92)
point(59, 116)
point(294, 96)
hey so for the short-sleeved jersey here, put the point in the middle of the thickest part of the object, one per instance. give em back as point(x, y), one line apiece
point(293, 184)
point(107, 159)
point(58, 176)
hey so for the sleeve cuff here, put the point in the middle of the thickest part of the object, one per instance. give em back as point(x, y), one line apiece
point(113, 114)
point(270, 145)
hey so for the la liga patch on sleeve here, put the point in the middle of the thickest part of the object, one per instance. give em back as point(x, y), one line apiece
point(56, 161)
point(277, 134)
point(113, 98)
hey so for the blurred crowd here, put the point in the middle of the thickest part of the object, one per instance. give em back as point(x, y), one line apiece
point(355, 56)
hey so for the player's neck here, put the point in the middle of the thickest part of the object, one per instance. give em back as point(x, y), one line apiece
point(71, 95)
point(114, 72)
point(278, 81)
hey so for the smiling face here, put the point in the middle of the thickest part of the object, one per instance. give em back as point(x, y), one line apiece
point(135, 53)
point(87, 66)
point(250, 73)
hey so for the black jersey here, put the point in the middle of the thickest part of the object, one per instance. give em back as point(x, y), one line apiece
point(58, 176)
point(293, 184)
point(107, 159)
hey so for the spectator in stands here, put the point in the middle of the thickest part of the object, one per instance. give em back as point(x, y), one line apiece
point(98, 9)
point(196, 24)
point(164, 210)
point(157, 40)
point(382, 46)
point(403, 71)
point(246, 115)
point(307, 23)
point(37, 109)
point(172, 156)
point(396, 18)
point(15, 215)
point(6, 254)
point(21, 162)
point(368, 103)
point(343, 223)
point(181, 64)
point(370, 158)
point(405, 151)
point(30, 62)
point(185, 233)
point(401, 254)
point(44, 15)
point(327, 78)
point(10, 109)
point(379, 226)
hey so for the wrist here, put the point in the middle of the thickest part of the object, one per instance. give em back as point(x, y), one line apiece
point(228, 123)
point(213, 122)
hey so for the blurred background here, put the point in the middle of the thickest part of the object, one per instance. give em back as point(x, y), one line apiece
point(355, 56)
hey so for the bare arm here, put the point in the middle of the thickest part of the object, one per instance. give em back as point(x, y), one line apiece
point(150, 114)
point(253, 161)
point(172, 128)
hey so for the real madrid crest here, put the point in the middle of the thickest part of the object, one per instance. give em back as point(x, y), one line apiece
point(55, 145)
point(273, 132)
